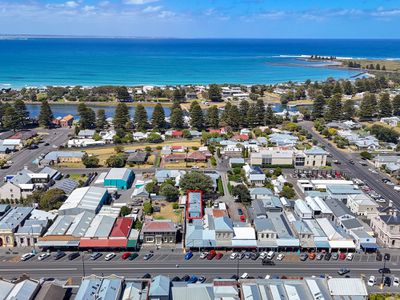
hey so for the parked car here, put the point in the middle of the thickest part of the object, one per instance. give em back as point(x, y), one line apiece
point(125, 255)
point(247, 255)
point(270, 255)
point(185, 278)
point(387, 281)
point(240, 212)
point(133, 256)
point(254, 255)
point(234, 277)
point(386, 256)
point(244, 276)
point(192, 279)
point(312, 256)
point(371, 280)
point(202, 279)
point(110, 256)
point(350, 256)
point(203, 255)
point(263, 255)
point(280, 256)
point(211, 255)
point(188, 255)
point(219, 255)
point(320, 256)
point(396, 281)
point(384, 271)
point(43, 256)
point(148, 256)
point(176, 279)
point(27, 256)
point(303, 256)
point(95, 255)
point(328, 256)
point(342, 256)
point(240, 255)
point(146, 276)
point(234, 255)
point(343, 271)
point(59, 255)
point(73, 255)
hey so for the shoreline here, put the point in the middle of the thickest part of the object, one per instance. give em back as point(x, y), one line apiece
point(115, 103)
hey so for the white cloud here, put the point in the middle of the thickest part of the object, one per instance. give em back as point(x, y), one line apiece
point(150, 9)
point(166, 14)
point(139, 2)
point(380, 12)
point(89, 8)
point(71, 4)
point(104, 3)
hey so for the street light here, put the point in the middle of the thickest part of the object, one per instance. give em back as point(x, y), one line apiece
point(83, 263)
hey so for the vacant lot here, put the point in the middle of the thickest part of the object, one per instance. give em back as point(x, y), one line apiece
point(167, 212)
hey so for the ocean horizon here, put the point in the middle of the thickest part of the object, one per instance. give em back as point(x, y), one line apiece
point(72, 61)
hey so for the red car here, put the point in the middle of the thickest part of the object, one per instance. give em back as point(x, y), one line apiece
point(125, 255)
point(211, 254)
point(242, 218)
point(219, 255)
point(312, 256)
point(342, 256)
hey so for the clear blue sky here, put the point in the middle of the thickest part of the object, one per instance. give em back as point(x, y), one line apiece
point(204, 18)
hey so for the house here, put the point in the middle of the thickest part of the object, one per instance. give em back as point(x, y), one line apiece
point(120, 178)
point(140, 193)
point(138, 136)
point(66, 121)
point(283, 139)
point(137, 158)
point(56, 157)
point(86, 133)
point(260, 193)
point(174, 158)
point(260, 208)
point(341, 191)
point(254, 174)
point(236, 161)
point(89, 199)
point(391, 121)
point(387, 228)
point(240, 137)
point(53, 174)
point(160, 288)
point(162, 175)
point(159, 232)
point(362, 205)
point(380, 161)
point(10, 223)
point(196, 156)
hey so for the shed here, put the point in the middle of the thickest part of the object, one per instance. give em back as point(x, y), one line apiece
point(120, 178)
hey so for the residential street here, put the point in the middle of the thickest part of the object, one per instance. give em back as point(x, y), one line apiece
point(358, 171)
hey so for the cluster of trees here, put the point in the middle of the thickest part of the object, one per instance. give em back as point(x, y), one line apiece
point(335, 109)
point(13, 116)
point(384, 134)
point(357, 65)
point(318, 57)
point(46, 200)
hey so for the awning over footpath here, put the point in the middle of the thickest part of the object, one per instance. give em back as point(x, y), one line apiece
point(55, 244)
point(369, 246)
point(103, 243)
point(322, 244)
point(345, 244)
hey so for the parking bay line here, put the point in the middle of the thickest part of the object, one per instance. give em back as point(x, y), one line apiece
point(234, 268)
point(36, 269)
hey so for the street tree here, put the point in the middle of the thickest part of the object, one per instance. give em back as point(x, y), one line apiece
point(158, 117)
point(46, 115)
point(140, 118)
point(385, 105)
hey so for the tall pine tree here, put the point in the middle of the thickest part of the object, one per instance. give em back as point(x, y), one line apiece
point(368, 106)
point(87, 117)
point(243, 111)
point(269, 116)
point(158, 117)
point(385, 105)
point(176, 118)
point(334, 109)
point(101, 121)
point(46, 115)
point(121, 116)
point(318, 107)
point(140, 118)
point(260, 108)
point(196, 116)
point(213, 117)
point(21, 113)
point(252, 116)
point(348, 109)
point(396, 105)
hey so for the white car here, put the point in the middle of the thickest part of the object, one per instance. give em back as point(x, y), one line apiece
point(371, 280)
point(43, 256)
point(350, 256)
point(263, 255)
point(203, 255)
point(234, 255)
point(396, 281)
point(267, 276)
point(280, 256)
point(244, 276)
point(27, 256)
point(110, 256)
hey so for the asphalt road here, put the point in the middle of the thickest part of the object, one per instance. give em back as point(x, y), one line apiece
point(25, 156)
point(165, 263)
point(374, 181)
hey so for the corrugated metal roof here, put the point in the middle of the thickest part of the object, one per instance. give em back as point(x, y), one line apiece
point(100, 227)
point(118, 173)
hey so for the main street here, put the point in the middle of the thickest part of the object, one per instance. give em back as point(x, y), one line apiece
point(374, 181)
point(173, 264)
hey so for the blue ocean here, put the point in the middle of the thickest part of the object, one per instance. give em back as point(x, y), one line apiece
point(89, 62)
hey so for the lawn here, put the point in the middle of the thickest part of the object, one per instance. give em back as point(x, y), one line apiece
point(183, 165)
point(77, 177)
point(78, 165)
point(167, 212)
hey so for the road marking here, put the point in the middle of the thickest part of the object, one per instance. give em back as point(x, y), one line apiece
point(234, 268)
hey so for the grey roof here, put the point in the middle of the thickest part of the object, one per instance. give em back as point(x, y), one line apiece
point(32, 227)
point(263, 224)
point(351, 223)
point(223, 224)
point(67, 185)
point(50, 290)
point(160, 286)
point(342, 189)
point(71, 225)
point(4, 208)
point(14, 218)
point(54, 155)
point(391, 219)
point(5, 288)
point(100, 226)
point(338, 208)
point(22, 177)
point(315, 151)
point(23, 290)
point(101, 288)
point(118, 173)
point(52, 172)
point(281, 225)
point(260, 191)
point(137, 157)
point(86, 132)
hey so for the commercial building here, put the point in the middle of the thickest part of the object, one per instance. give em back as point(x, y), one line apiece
point(88, 199)
point(56, 157)
point(120, 178)
point(9, 224)
point(159, 232)
point(362, 205)
point(315, 157)
point(97, 287)
point(387, 227)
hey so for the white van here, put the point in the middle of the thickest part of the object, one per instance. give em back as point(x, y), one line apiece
point(270, 255)
point(397, 188)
